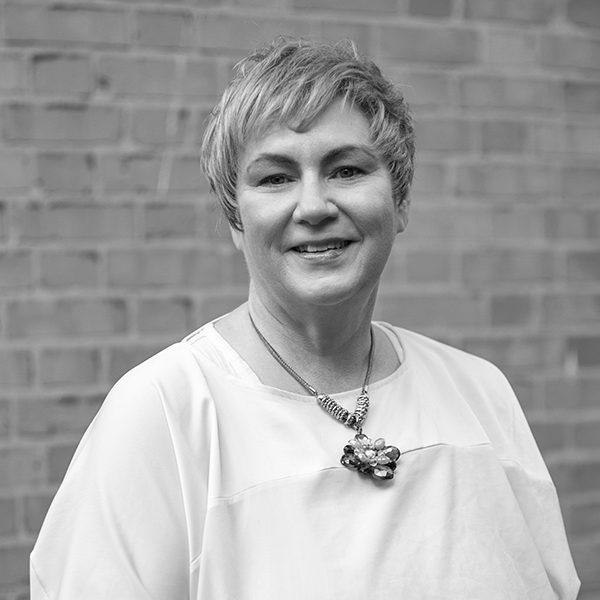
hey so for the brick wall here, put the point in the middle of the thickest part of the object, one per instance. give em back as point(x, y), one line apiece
point(110, 247)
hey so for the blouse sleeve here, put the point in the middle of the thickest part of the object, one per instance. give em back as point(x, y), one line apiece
point(536, 495)
point(117, 526)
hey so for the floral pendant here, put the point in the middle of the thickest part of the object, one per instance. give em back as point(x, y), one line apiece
point(371, 457)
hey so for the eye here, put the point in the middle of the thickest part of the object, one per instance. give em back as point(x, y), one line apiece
point(347, 172)
point(275, 180)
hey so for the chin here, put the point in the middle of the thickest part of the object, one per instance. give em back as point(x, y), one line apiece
point(330, 293)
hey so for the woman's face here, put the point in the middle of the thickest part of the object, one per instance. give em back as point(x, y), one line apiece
point(317, 211)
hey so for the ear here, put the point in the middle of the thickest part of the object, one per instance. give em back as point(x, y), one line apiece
point(238, 238)
point(401, 216)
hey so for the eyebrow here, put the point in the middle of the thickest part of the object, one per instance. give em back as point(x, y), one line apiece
point(336, 154)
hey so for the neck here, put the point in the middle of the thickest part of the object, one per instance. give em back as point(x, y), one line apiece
point(327, 346)
point(320, 331)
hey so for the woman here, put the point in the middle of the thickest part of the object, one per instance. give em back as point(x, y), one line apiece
point(234, 464)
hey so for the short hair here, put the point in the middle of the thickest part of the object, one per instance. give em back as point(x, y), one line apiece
point(291, 82)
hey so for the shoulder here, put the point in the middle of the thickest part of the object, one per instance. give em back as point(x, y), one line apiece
point(454, 376)
point(427, 353)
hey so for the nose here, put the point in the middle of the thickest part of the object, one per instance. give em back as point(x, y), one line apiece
point(315, 202)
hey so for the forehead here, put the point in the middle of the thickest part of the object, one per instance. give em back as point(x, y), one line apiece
point(339, 125)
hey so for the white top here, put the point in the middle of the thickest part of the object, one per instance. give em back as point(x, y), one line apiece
point(196, 481)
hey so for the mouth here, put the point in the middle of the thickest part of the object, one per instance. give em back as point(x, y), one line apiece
point(321, 247)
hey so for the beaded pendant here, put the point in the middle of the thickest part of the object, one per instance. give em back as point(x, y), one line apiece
point(370, 457)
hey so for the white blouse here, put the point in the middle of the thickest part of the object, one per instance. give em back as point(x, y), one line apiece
point(196, 481)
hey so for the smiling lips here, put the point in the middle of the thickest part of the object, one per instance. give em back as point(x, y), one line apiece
point(316, 247)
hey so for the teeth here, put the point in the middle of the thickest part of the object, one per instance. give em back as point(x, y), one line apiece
point(336, 245)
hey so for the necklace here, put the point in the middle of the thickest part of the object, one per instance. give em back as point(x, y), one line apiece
point(372, 457)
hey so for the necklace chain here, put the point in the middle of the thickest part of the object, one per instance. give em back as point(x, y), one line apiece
point(353, 420)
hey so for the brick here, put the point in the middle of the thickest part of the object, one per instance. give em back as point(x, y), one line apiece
point(584, 519)
point(216, 305)
point(508, 179)
point(211, 268)
point(165, 315)
point(61, 73)
point(503, 136)
point(446, 45)
point(583, 265)
point(3, 221)
point(430, 8)
point(164, 28)
point(62, 123)
point(511, 310)
point(16, 368)
point(568, 223)
point(338, 29)
point(584, 12)
point(202, 117)
point(518, 353)
point(212, 225)
point(234, 34)
point(422, 89)
point(15, 171)
point(5, 418)
point(550, 436)
point(13, 73)
point(569, 393)
point(70, 268)
point(586, 433)
point(60, 172)
point(570, 51)
point(15, 566)
point(63, 415)
point(570, 138)
point(583, 139)
point(510, 223)
point(570, 309)
point(170, 221)
point(77, 221)
point(445, 134)
point(511, 48)
point(586, 349)
point(159, 126)
point(201, 80)
point(430, 178)
point(15, 270)
point(429, 311)
point(501, 265)
point(8, 516)
point(186, 175)
point(581, 181)
point(59, 458)
point(137, 76)
point(490, 91)
point(582, 96)
point(64, 24)
point(130, 173)
point(21, 466)
point(151, 267)
point(586, 557)
point(441, 225)
point(166, 267)
point(532, 11)
point(386, 6)
point(427, 266)
point(124, 358)
point(585, 476)
point(69, 366)
point(34, 512)
point(395, 271)
point(66, 317)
